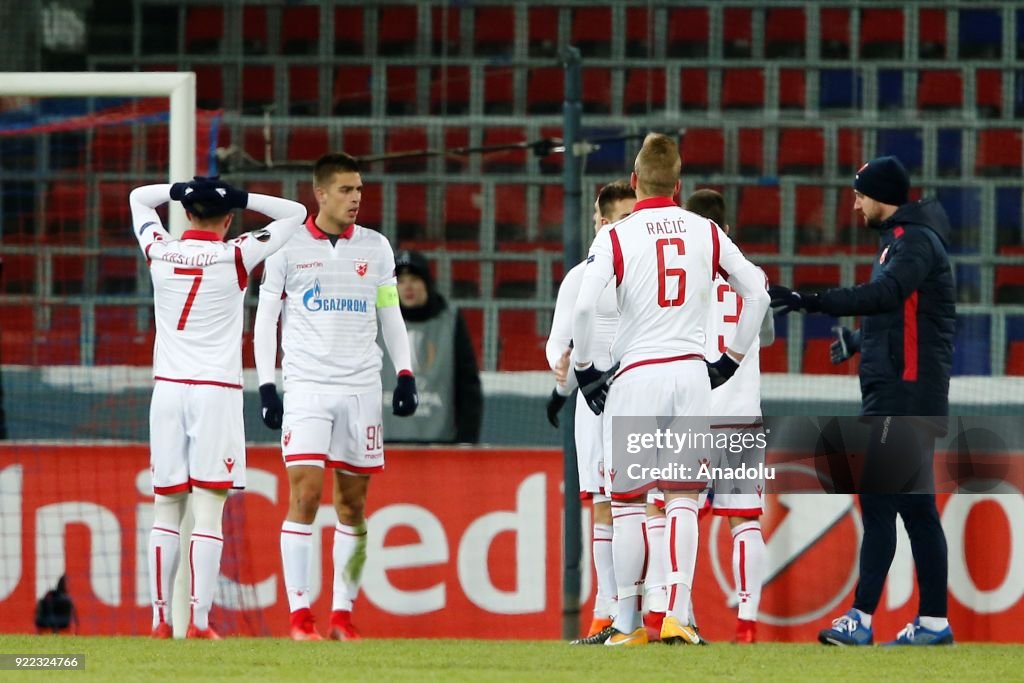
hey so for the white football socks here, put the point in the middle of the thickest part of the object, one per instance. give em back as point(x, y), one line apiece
point(204, 552)
point(681, 533)
point(296, 549)
point(655, 595)
point(605, 601)
point(629, 555)
point(748, 562)
point(164, 543)
point(349, 557)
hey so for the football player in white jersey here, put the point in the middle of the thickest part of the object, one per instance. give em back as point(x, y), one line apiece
point(736, 407)
point(663, 260)
point(614, 202)
point(197, 441)
point(333, 283)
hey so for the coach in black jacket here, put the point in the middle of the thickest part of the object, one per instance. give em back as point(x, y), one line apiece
point(906, 347)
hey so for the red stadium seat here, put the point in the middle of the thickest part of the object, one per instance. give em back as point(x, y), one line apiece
point(849, 150)
point(592, 31)
point(353, 94)
point(466, 285)
point(307, 143)
point(693, 89)
point(474, 318)
point(1014, 358)
point(494, 30)
point(596, 96)
point(703, 151)
point(204, 29)
point(988, 92)
point(815, 278)
point(1009, 284)
point(545, 90)
point(300, 30)
point(209, 86)
point(515, 279)
point(348, 31)
point(940, 90)
point(521, 352)
point(737, 31)
point(17, 334)
point(639, 32)
point(68, 275)
point(835, 32)
point(774, 357)
point(65, 212)
point(508, 161)
point(411, 211)
point(462, 203)
point(931, 33)
point(543, 31)
point(257, 89)
point(445, 22)
point(785, 32)
point(881, 33)
point(112, 148)
point(751, 144)
point(499, 90)
point(743, 89)
point(552, 163)
point(449, 90)
point(157, 147)
point(801, 150)
point(644, 91)
point(303, 90)
point(551, 211)
point(18, 275)
point(456, 138)
point(809, 219)
point(758, 218)
point(817, 359)
point(357, 141)
point(254, 30)
point(397, 28)
point(118, 274)
point(688, 31)
point(115, 215)
point(510, 218)
point(792, 89)
point(407, 140)
point(401, 90)
point(370, 207)
point(999, 152)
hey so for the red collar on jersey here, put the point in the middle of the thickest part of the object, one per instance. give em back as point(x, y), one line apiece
point(655, 203)
point(319, 234)
point(206, 235)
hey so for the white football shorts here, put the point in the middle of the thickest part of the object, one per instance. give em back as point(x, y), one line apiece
point(342, 431)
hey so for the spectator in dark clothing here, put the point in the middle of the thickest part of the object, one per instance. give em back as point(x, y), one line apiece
point(55, 611)
point(444, 362)
point(906, 347)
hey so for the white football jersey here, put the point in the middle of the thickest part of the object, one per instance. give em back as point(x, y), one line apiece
point(199, 284)
point(741, 395)
point(329, 317)
point(606, 320)
point(663, 260)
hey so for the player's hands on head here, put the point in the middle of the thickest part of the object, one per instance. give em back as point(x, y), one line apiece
point(594, 385)
point(721, 370)
point(272, 408)
point(209, 189)
point(555, 403)
point(786, 300)
point(846, 344)
point(405, 399)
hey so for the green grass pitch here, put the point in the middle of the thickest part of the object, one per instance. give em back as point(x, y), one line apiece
point(265, 660)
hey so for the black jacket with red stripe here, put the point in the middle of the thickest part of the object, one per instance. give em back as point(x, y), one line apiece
point(909, 310)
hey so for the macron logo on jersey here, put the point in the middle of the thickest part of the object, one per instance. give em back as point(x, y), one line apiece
point(313, 301)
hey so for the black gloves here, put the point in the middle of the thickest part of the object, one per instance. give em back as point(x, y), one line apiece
point(594, 384)
point(785, 300)
point(721, 370)
point(208, 196)
point(178, 191)
point(273, 409)
point(846, 344)
point(555, 403)
point(405, 399)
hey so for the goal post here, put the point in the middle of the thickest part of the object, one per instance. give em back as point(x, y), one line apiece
point(178, 87)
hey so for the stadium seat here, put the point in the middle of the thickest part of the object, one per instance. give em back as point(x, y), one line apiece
point(17, 334)
point(638, 32)
point(940, 90)
point(881, 33)
point(596, 86)
point(758, 217)
point(999, 153)
point(66, 150)
point(835, 32)
point(112, 148)
point(494, 30)
point(774, 357)
point(397, 30)
point(117, 274)
point(693, 89)
point(353, 91)
point(204, 29)
point(890, 90)
point(17, 275)
point(303, 90)
point(348, 31)
point(257, 89)
point(300, 30)
point(980, 33)
point(402, 90)
point(931, 31)
point(609, 156)
point(950, 149)
point(785, 32)
point(370, 207)
point(499, 90)
point(545, 90)
point(466, 281)
point(904, 143)
point(550, 213)
point(66, 212)
point(510, 217)
point(449, 90)
point(644, 91)
point(743, 89)
point(1014, 358)
point(849, 150)
point(209, 86)
point(357, 141)
point(988, 98)
point(792, 89)
point(801, 151)
point(543, 31)
point(462, 202)
point(157, 147)
point(815, 278)
point(840, 89)
point(551, 163)
point(1009, 284)
point(506, 161)
point(963, 206)
point(592, 31)
point(971, 346)
point(737, 32)
point(751, 151)
point(809, 217)
point(411, 211)
point(115, 214)
point(520, 352)
point(254, 30)
point(515, 279)
point(703, 151)
point(688, 31)
point(1008, 219)
point(445, 29)
point(407, 140)
point(307, 143)
point(455, 138)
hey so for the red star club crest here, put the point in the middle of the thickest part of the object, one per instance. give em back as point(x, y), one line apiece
point(361, 268)
point(287, 437)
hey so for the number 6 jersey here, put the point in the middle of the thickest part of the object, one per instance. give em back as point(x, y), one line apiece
point(199, 284)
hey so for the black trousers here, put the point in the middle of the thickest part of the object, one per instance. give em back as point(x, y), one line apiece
point(927, 542)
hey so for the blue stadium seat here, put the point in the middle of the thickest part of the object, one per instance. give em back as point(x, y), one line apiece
point(981, 34)
point(968, 283)
point(963, 206)
point(610, 157)
point(904, 143)
point(1008, 215)
point(890, 89)
point(949, 151)
point(971, 346)
point(840, 89)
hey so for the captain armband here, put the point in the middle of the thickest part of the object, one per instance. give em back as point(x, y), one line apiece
point(387, 296)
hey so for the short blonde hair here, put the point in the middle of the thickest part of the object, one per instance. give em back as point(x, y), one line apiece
point(657, 166)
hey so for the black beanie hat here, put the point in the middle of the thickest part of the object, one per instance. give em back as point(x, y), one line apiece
point(415, 263)
point(885, 180)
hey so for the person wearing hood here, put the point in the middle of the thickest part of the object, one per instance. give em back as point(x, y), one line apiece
point(451, 396)
point(906, 346)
